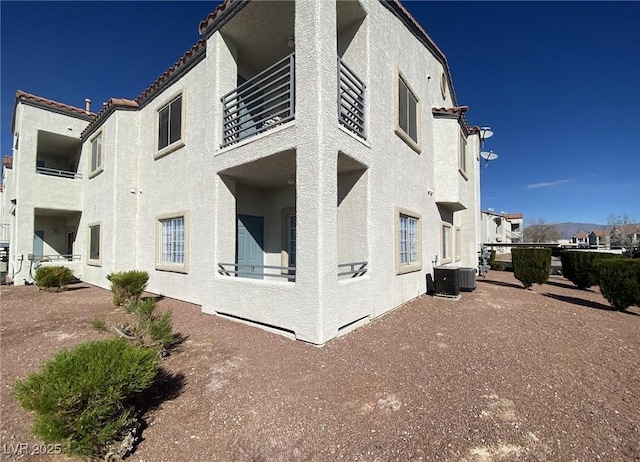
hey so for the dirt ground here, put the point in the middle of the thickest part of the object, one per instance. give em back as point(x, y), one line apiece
point(502, 374)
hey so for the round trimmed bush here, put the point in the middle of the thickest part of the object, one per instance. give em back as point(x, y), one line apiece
point(531, 265)
point(620, 281)
point(84, 398)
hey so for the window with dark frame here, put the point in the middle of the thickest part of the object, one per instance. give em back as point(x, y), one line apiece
point(94, 242)
point(96, 153)
point(407, 110)
point(170, 123)
point(463, 152)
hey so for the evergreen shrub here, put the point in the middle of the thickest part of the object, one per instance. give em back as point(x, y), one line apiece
point(619, 280)
point(579, 267)
point(127, 286)
point(53, 278)
point(85, 398)
point(153, 329)
point(531, 265)
point(495, 265)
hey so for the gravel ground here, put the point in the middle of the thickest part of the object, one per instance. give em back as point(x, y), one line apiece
point(502, 374)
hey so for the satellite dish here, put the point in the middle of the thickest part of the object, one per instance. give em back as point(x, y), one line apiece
point(488, 155)
point(485, 132)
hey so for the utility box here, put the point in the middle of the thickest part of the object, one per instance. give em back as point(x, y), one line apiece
point(467, 278)
point(447, 281)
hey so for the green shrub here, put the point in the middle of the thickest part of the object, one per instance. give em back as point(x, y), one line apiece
point(531, 265)
point(99, 324)
point(153, 329)
point(619, 280)
point(53, 278)
point(84, 398)
point(127, 286)
point(496, 265)
point(579, 268)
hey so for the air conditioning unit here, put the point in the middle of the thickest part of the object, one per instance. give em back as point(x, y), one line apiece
point(446, 281)
point(467, 278)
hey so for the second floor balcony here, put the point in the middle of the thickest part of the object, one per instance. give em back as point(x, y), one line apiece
point(260, 103)
point(268, 100)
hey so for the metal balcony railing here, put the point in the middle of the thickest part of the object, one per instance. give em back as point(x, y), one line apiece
point(259, 104)
point(350, 100)
point(58, 173)
point(56, 258)
point(355, 270)
point(257, 271)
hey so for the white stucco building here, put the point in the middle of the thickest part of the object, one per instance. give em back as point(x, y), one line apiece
point(501, 228)
point(303, 167)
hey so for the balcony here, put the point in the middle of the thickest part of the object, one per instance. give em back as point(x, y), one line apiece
point(350, 100)
point(260, 104)
point(58, 173)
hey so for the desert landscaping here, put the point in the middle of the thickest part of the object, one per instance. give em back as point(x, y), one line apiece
point(503, 373)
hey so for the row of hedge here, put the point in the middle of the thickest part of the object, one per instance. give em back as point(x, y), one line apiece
point(618, 278)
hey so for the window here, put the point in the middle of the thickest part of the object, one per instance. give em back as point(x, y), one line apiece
point(408, 241)
point(408, 236)
point(462, 160)
point(407, 113)
point(458, 243)
point(95, 244)
point(96, 154)
point(446, 250)
point(170, 124)
point(172, 243)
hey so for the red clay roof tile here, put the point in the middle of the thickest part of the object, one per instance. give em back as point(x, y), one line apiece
point(512, 216)
point(450, 110)
point(107, 107)
point(24, 96)
point(221, 8)
point(178, 64)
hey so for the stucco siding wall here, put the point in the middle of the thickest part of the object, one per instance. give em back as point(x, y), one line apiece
point(34, 190)
point(180, 181)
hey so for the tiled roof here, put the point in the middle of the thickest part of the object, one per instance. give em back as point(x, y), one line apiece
point(601, 233)
point(630, 228)
point(508, 216)
point(215, 14)
point(459, 110)
point(107, 108)
point(512, 216)
point(177, 65)
point(40, 101)
point(430, 43)
point(580, 235)
point(7, 161)
point(115, 103)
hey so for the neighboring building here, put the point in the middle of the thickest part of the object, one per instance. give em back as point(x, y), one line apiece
point(582, 239)
point(501, 228)
point(626, 235)
point(255, 178)
point(600, 239)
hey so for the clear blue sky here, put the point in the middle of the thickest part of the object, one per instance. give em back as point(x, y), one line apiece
point(559, 83)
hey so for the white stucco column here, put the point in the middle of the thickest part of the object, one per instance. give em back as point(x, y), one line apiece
point(316, 187)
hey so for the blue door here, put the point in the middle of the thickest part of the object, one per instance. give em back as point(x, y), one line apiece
point(249, 246)
point(38, 243)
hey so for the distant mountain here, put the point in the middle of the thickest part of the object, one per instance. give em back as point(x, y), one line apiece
point(569, 229)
